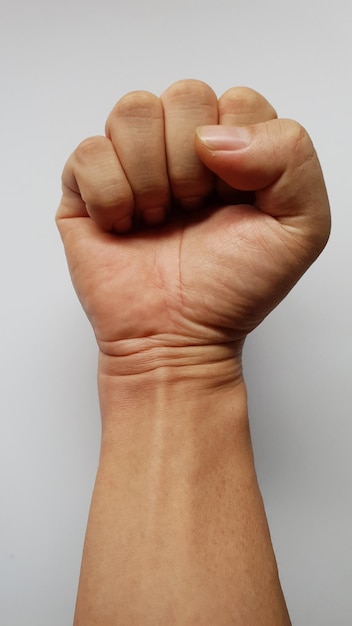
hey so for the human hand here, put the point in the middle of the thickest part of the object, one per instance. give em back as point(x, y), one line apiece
point(207, 273)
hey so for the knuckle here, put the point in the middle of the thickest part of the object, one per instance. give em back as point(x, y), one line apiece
point(145, 187)
point(244, 100)
point(191, 187)
point(89, 148)
point(189, 90)
point(243, 97)
point(299, 140)
point(107, 195)
point(111, 197)
point(135, 104)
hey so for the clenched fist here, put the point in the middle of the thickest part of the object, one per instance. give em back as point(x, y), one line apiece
point(191, 219)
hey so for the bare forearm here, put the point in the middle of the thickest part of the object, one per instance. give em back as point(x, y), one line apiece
point(177, 532)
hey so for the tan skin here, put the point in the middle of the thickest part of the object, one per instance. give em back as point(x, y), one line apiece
point(174, 267)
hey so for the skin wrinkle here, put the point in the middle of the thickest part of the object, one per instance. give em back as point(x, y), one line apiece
point(180, 290)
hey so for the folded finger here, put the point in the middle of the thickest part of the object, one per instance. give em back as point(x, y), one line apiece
point(187, 104)
point(240, 106)
point(136, 129)
point(95, 185)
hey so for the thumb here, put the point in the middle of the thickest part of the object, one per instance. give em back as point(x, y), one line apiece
point(277, 161)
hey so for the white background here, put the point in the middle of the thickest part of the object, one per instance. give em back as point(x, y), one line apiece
point(63, 66)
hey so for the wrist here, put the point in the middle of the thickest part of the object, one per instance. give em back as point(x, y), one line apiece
point(160, 380)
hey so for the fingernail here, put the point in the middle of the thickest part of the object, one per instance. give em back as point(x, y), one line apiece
point(224, 137)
